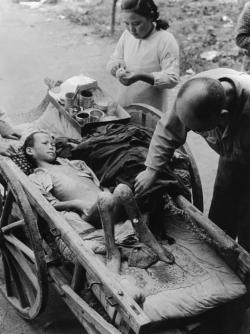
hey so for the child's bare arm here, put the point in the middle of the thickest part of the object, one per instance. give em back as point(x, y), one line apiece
point(72, 205)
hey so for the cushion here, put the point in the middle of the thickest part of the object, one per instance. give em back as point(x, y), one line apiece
point(198, 281)
point(22, 162)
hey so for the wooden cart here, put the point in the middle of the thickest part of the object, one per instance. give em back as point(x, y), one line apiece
point(28, 261)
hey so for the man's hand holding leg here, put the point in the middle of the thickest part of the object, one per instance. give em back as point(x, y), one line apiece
point(145, 180)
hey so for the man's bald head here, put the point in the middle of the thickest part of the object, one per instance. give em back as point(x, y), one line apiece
point(200, 102)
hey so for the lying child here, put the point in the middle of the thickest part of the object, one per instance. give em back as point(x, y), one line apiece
point(73, 186)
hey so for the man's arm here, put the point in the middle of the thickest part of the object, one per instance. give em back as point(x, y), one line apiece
point(170, 133)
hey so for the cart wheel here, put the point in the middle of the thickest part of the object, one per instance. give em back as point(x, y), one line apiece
point(23, 273)
point(146, 115)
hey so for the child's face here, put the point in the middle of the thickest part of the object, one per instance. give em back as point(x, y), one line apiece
point(44, 148)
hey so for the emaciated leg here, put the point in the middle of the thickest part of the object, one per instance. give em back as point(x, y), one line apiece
point(126, 198)
point(106, 206)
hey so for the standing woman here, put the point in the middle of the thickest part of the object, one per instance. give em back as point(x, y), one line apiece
point(146, 58)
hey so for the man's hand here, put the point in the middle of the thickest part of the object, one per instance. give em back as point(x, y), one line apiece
point(145, 180)
point(7, 149)
point(129, 78)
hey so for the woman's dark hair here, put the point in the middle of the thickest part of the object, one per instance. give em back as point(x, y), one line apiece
point(146, 8)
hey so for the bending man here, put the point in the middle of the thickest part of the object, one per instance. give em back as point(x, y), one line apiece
point(215, 104)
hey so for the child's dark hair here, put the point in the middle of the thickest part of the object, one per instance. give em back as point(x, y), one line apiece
point(29, 142)
point(146, 8)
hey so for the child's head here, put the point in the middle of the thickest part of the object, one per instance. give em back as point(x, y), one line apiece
point(39, 146)
point(139, 16)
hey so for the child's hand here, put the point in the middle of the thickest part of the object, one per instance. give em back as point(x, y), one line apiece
point(73, 205)
point(77, 205)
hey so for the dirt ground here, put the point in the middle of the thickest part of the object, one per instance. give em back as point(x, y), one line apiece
point(40, 43)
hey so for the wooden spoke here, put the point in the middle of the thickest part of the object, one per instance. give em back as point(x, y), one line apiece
point(16, 282)
point(21, 283)
point(7, 275)
point(8, 228)
point(29, 282)
point(21, 246)
point(23, 264)
point(23, 280)
point(7, 208)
